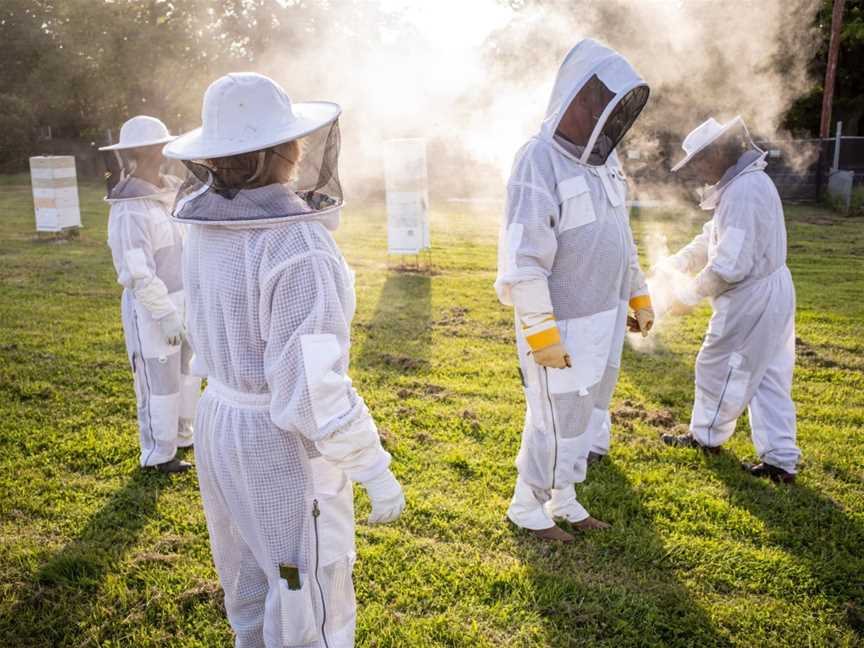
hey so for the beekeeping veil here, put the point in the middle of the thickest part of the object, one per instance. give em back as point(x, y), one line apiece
point(733, 140)
point(603, 95)
point(136, 133)
point(250, 126)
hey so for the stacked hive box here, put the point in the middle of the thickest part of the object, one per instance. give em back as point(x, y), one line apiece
point(55, 193)
point(407, 196)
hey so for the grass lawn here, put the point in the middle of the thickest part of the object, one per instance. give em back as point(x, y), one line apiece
point(95, 553)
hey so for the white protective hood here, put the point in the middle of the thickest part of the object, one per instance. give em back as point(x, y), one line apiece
point(586, 59)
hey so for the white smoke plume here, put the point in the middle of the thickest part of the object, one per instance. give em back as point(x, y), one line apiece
point(474, 76)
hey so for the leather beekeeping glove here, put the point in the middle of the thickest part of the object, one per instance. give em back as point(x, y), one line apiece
point(643, 315)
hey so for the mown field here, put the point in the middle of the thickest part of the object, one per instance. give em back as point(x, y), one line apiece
point(95, 553)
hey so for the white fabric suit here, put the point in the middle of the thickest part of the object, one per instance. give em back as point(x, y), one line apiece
point(566, 224)
point(748, 355)
point(146, 246)
point(281, 432)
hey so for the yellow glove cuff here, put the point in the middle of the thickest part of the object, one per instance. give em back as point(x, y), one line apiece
point(542, 335)
point(639, 302)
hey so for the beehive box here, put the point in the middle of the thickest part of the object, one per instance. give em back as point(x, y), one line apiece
point(55, 193)
point(407, 196)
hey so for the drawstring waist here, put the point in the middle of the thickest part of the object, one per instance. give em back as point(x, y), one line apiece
point(231, 396)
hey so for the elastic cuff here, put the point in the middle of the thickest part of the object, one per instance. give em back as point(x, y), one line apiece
point(640, 301)
point(543, 335)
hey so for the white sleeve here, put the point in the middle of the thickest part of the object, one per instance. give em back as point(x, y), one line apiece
point(528, 243)
point(137, 271)
point(638, 286)
point(693, 256)
point(306, 364)
point(733, 257)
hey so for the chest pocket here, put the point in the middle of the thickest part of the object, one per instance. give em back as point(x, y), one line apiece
point(577, 207)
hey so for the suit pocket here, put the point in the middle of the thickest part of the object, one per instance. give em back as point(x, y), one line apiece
point(297, 613)
point(577, 206)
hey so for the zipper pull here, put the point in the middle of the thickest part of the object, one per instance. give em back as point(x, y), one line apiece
point(315, 510)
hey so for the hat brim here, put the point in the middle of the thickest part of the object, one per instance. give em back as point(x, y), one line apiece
point(119, 146)
point(717, 136)
point(308, 117)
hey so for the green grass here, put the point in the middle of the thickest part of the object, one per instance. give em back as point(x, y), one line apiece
point(95, 553)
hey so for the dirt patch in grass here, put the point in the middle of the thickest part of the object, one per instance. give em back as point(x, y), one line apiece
point(630, 411)
point(453, 317)
point(403, 363)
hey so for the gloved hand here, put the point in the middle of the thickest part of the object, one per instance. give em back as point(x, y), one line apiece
point(387, 498)
point(642, 322)
point(643, 313)
point(554, 356)
point(172, 329)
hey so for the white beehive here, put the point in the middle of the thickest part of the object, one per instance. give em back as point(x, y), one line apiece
point(407, 196)
point(55, 193)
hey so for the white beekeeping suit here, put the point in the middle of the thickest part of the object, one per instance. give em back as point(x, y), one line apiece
point(739, 262)
point(146, 246)
point(281, 432)
point(568, 264)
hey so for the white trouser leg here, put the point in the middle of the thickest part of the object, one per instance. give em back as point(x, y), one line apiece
point(565, 505)
point(600, 427)
point(526, 510)
point(190, 392)
point(244, 582)
point(772, 412)
point(158, 394)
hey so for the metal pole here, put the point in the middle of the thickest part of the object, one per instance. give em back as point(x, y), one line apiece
point(837, 146)
point(831, 68)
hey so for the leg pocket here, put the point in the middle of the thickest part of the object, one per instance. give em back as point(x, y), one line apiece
point(297, 613)
point(335, 497)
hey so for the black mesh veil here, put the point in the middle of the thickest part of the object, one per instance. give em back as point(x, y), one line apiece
point(120, 165)
point(617, 124)
point(314, 179)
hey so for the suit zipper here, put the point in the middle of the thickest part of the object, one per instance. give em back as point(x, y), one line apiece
point(554, 430)
point(315, 513)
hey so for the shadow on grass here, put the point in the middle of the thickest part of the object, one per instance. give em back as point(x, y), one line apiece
point(399, 335)
point(810, 526)
point(616, 587)
point(58, 598)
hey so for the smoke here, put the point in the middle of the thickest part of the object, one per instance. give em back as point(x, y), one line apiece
point(474, 77)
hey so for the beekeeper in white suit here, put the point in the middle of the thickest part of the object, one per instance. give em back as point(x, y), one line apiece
point(568, 264)
point(281, 432)
point(739, 262)
point(146, 246)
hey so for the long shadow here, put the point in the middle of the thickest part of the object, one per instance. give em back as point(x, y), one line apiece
point(617, 587)
point(58, 598)
point(810, 526)
point(399, 335)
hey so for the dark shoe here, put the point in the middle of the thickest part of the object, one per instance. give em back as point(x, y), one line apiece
point(686, 441)
point(171, 467)
point(553, 533)
point(775, 474)
point(595, 457)
point(591, 524)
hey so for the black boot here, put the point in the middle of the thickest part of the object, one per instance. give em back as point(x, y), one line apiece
point(171, 467)
point(595, 457)
point(687, 441)
point(775, 474)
